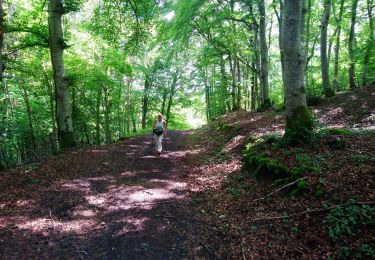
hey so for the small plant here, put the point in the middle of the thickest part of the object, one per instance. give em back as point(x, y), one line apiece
point(359, 159)
point(366, 250)
point(237, 190)
point(343, 220)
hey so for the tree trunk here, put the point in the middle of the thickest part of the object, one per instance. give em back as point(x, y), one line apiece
point(265, 100)
point(323, 50)
point(207, 94)
point(352, 76)
point(145, 100)
point(51, 111)
point(97, 117)
point(57, 45)
point(165, 95)
point(307, 43)
point(337, 49)
point(279, 16)
point(370, 47)
point(298, 117)
point(238, 85)
point(3, 113)
point(224, 85)
point(232, 66)
point(172, 91)
point(129, 109)
point(106, 116)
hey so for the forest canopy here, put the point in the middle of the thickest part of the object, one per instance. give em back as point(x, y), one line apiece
point(89, 72)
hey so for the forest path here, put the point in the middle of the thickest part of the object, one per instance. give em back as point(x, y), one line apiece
point(126, 203)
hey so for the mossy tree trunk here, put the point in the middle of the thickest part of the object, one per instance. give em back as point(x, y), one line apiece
point(57, 45)
point(298, 116)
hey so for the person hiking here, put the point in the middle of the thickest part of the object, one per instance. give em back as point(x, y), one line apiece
point(159, 129)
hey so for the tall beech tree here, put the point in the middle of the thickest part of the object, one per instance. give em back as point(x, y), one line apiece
point(298, 116)
point(337, 48)
point(265, 100)
point(370, 7)
point(352, 74)
point(57, 45)
point(2, 87)
point(323, 50)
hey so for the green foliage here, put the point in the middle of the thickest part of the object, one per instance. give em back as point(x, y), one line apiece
point(343, 220)
point(339, 131)
point(360, 159)
point(336, 142)
point(237, 190)
point(366, 250)
point(72, 5)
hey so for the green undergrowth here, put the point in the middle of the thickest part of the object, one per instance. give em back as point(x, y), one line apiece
point(260, 163)
point(263, 168)
point(344, 221)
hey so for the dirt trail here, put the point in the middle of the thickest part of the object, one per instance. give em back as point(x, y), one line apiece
point(125, 203)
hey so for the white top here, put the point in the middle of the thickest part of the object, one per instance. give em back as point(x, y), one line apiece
point(159, 124)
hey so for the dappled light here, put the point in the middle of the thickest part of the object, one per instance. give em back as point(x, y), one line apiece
point(187, 129)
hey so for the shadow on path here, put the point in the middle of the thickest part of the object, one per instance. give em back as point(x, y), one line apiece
point(126, 203)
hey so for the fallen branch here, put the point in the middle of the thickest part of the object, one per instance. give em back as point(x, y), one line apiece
point(314, 210)
point(82, 251)
point(208, 249)
point(279, 189)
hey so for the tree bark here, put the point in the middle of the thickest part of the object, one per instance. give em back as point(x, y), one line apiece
point(207, 94)
point(107, 128)
point(129, 109)
point(370, 47)
point(145, 100)
point(337, 49)
point(298, 117)
point(57, 45)
point(323, 50)
point(279, 15)
point(165, 95)
point(232, 66)
point(97, 117)
point(239, 91)
point(52, 111)
point(352, 76)
point(3, 113)
point(265, 101)
point(172, 91)
point(224, 85)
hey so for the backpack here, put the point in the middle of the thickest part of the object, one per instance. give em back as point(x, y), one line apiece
point(158, 130)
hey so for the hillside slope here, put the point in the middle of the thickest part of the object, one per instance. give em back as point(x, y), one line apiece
point(327, 212)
